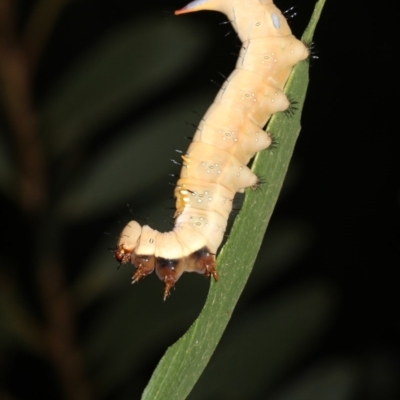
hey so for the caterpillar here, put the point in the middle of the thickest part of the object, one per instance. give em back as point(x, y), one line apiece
point(214, 167)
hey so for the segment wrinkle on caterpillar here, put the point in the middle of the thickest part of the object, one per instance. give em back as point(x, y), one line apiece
point(214, 168)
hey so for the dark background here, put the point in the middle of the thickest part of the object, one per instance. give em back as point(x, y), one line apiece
point(95, 97)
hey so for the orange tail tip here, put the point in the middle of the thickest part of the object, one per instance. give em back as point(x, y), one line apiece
point(195, 5)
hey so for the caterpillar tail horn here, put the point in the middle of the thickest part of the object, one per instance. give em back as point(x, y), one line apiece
point(200, 5)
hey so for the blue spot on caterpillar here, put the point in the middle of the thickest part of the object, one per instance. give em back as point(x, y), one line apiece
point(214, 167)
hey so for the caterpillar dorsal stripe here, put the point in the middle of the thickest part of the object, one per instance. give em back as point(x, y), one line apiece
point(230, 133)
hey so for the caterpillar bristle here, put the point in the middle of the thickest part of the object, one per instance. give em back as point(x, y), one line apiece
point(291, 110)
point(274, 142)
point(215, 83)
point(193, 126)
point(260, 182)
point(175, 162)
point(228, 33)
point(290, 13)
point(312, 51)
point(199, 115)
point(223, 23)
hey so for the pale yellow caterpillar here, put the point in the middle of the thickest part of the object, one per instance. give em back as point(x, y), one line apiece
point(230, 133)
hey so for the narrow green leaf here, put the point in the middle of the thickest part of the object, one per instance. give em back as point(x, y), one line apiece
point(184, 362)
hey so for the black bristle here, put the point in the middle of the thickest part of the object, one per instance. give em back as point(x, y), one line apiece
point(175, 162)
point(291, 110)
point(290, 13)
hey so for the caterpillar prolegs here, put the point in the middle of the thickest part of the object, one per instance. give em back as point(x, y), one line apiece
point(229, 135)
